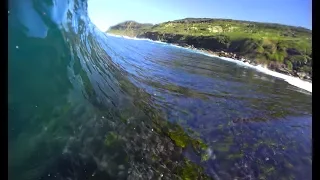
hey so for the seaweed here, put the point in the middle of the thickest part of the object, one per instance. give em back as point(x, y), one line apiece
point(191, 171)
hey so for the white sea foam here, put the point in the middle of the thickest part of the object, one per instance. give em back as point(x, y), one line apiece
point(127, 37)
point(291, 80)
point(139, 39)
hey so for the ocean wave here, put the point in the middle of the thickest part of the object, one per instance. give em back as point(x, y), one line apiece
point(83, 104)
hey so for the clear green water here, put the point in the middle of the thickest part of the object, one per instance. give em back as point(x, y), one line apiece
point(83, 105)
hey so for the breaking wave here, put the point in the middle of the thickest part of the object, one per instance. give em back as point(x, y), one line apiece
point(83, 104)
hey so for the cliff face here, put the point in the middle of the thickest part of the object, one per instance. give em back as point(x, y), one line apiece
point(280, 47)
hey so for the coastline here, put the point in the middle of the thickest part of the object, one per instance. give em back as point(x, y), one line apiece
point(234, 56)
point(293, 79)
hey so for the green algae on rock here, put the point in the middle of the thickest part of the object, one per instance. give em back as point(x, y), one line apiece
point(190, 171)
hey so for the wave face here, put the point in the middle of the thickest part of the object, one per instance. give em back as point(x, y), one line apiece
point(85, 105)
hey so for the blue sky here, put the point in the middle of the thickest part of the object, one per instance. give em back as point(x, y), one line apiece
point(105, 13)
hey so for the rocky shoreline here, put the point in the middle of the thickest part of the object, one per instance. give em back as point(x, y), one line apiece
point(274, 67)
point(218, 47)
point(280, 48)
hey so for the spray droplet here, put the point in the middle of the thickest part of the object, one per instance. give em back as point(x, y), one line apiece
point(267, 159)
point(161, 175)
point(102, 117)
point(151, 129)
point(49, 175)
point(17, 47)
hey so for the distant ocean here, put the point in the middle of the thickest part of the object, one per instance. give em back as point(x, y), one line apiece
point(87, 105)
